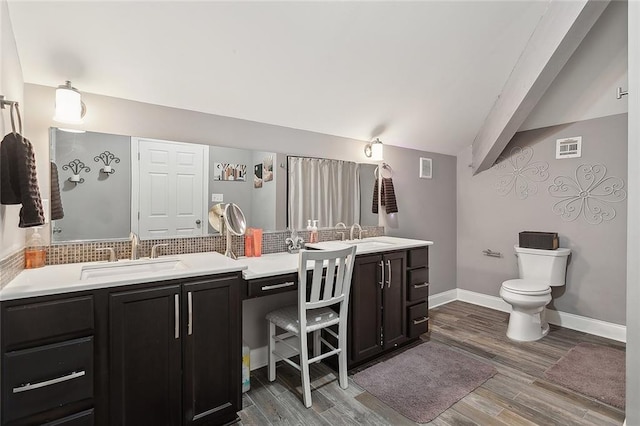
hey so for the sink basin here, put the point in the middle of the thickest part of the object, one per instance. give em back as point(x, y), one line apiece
point(133, 267)
point(368, 244)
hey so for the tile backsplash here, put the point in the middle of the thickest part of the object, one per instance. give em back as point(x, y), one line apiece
point(272, 242)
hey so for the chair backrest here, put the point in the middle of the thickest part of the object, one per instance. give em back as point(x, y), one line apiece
point(330, 279)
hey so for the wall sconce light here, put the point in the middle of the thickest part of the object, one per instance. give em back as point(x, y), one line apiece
point(69, 106)
point(373, 150)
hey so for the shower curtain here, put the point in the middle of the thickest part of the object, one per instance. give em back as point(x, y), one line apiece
point(323, 189)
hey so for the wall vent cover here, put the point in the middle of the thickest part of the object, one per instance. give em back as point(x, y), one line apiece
point(569, 147)
point(426, 171)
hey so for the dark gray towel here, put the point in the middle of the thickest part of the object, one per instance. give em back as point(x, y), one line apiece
point(19, 180)
point(374, 207)
point(56, 202)
point(388, 196)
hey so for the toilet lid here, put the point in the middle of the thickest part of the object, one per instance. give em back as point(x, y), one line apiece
point(527, 286)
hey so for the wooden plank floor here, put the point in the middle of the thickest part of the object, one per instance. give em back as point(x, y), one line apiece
point(517, 395)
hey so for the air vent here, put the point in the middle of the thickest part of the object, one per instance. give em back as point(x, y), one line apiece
point(569, 147)
point(425, 168)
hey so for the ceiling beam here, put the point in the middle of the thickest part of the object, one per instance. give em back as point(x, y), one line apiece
point(558, 34)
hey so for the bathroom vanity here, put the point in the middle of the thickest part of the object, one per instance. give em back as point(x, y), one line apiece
point(148, 348)
point(159, 341)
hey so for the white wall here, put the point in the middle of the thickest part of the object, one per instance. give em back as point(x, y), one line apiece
point(11, 86)
point(586, 86)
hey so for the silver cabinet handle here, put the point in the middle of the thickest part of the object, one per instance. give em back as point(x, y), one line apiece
point(382, 276)
point(420, 320)
point(389, 268)
point(29, 386)
point(190, 307)
point(420, 285)
point(176, 308)
point(275, 286)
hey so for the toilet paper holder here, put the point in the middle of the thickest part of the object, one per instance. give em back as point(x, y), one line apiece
point(491, 253)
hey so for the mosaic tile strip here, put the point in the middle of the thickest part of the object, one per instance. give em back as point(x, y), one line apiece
point(272, 242)
point(10, 267)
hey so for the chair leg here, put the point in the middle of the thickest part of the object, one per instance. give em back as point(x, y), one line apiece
point(342, 355)
point(271, 356)
point(304, 370)
point(316, 344)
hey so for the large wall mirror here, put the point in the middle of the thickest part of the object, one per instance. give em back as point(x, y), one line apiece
point(105, 185)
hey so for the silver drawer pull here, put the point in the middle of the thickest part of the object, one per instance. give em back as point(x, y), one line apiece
point(29, 386)
point(420, 320)
point(275, 286)
point(420, 285)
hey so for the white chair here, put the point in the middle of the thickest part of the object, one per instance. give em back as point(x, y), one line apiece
point(314, 313)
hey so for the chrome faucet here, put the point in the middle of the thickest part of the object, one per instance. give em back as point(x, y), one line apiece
point(342, 234)
point(135, 241)
point(359, 231)
point(154, 250)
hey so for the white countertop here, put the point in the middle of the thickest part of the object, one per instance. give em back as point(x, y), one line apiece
point(284, 263)
point(56, 279)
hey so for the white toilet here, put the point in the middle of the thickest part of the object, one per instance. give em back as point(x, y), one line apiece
point(539, 271)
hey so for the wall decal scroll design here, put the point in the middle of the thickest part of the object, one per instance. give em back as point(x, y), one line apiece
point(518, 174)
point(589, 194)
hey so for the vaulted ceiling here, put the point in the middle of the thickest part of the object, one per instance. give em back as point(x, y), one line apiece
point(422, 75)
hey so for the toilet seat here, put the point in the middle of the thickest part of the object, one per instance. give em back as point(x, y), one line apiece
point(527, 287)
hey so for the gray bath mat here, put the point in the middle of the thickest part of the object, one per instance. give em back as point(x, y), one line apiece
point(594, 370)
point(424, 381)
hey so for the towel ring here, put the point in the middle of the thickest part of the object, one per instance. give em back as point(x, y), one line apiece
point(13, 124)
point(386, 167)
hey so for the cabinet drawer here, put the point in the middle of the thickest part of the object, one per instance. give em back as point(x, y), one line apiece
point(418, 318)
point(418, 257)
point(84, 418)
point(272, 285)
point(35, 321)
point(46, 377)
point(418, 284)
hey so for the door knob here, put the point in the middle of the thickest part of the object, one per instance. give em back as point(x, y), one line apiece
point(198, 222)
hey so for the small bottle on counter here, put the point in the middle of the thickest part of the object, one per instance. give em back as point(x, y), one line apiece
point(35, 252)
point(309, 230)
point(314, 232)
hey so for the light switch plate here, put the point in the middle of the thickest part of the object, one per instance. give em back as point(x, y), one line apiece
point(217, 198)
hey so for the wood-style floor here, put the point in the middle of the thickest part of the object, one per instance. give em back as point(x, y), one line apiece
point(517, 395)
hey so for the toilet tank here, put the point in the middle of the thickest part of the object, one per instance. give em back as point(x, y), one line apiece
point(543, 265)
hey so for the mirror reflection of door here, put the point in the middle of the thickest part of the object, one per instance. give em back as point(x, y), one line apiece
point(172, 189)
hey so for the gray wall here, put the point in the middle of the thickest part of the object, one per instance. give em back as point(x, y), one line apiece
point(596, 277)
point(101, 205)
point(426, 210)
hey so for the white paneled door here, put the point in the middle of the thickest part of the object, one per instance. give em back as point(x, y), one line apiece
point(173, 189)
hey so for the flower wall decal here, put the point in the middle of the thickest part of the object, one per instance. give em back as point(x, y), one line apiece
point(589, 194)
point(517, 173)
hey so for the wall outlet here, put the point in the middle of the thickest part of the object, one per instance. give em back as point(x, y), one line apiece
point(217, 198)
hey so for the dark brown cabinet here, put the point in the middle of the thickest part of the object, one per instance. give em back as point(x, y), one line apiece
point(377, 305)
point(175, 355)
point(160, 353)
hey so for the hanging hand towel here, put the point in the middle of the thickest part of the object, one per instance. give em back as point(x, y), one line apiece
point(19, 181)
point(388, 196)
point(374, 207)
point(56, 202)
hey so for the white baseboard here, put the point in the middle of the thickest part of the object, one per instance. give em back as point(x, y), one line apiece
point(443, 298)
point(564, 319)
point(258, 358)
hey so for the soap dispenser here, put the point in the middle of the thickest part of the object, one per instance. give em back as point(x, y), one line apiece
point(35, 252)
point(314, 232)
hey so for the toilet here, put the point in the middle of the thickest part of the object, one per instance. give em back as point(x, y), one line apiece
point(539, 270)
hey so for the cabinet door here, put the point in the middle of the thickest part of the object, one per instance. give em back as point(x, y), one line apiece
point(212, 353)
point(393, 296)
point(365, 316)
point(145, 357)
